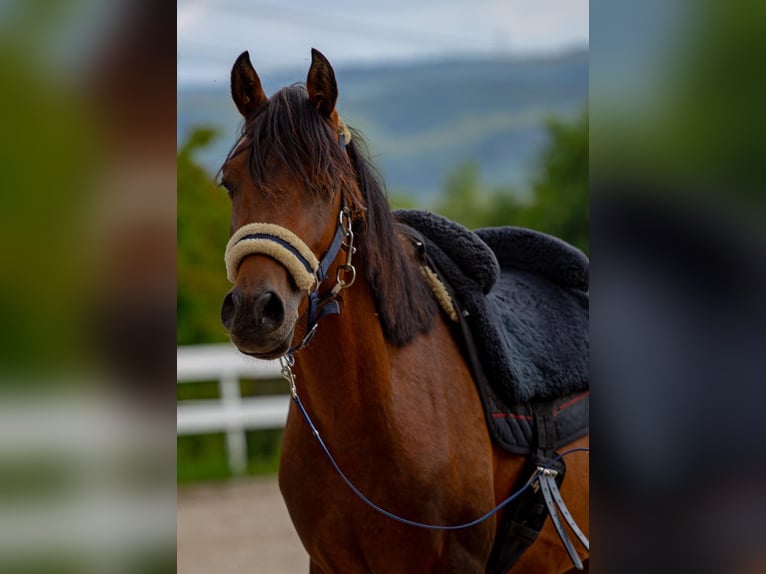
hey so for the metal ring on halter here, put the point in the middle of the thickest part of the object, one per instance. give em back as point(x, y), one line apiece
point(346, 268)
point(345, 213)
point(342, 269)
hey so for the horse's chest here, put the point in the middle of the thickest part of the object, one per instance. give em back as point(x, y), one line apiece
point(342, 533)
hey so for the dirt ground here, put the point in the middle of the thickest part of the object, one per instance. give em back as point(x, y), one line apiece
point(237, 527)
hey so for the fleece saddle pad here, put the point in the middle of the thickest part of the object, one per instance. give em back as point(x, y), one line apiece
point(523, 296)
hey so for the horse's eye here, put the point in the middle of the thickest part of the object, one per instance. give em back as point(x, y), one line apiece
point(228, 188)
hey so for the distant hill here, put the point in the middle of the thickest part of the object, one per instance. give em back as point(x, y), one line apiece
point(422, 120)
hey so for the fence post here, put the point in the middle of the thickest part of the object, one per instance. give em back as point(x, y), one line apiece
point(236, 440)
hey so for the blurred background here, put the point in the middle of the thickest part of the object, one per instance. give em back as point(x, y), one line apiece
point(678, 315)
point(476, 110)
point(87, 286)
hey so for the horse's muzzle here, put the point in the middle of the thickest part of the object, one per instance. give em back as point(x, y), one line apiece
point(257, 322)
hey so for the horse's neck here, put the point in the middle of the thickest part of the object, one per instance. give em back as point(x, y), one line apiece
point(350, 376)
point(347, 365)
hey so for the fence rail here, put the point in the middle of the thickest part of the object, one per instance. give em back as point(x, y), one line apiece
point(232, 413)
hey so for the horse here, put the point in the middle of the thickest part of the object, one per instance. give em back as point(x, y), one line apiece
point(383, 376)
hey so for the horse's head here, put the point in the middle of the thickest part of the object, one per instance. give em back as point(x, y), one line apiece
point(288, 177)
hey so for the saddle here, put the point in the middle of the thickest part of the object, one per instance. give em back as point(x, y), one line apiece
point(520, 298)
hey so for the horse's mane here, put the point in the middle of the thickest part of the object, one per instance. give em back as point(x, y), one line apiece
point(289, 132)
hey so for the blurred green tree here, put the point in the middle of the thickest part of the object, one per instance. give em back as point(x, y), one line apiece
point(557, 204)
point(465, 199)
point(203, 212)
point(560, 204)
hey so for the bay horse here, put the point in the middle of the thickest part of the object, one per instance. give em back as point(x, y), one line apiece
point(383, 378)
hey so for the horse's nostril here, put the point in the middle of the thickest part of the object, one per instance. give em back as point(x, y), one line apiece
point(228, 311)
point(269, 311)
point(267, 315)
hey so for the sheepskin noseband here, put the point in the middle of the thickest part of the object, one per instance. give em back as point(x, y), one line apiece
point(278, 243)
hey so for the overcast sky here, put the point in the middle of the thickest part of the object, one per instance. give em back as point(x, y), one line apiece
point(280, 33)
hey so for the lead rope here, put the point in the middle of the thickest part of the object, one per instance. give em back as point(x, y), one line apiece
point(287, 362)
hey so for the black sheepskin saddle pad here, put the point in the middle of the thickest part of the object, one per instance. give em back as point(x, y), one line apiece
point(524, 298)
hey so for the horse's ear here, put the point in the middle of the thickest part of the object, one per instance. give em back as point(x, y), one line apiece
point(246, 90)
point(321, 84)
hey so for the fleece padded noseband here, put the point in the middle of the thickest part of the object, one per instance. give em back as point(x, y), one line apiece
point(278, 243)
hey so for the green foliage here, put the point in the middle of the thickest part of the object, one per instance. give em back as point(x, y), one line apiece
point(263, 450)
point(561, 201)
point(201, 457)
point(558, 203)
point(402, 201)
point(468, 201)
point(708, 134)
point(203, 213)
point(465, 199)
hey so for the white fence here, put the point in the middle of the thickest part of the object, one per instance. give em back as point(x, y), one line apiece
point(232, 413)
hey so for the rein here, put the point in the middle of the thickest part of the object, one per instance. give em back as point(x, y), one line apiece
point(287, 361)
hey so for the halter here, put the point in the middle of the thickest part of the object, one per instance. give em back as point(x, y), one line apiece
point(291, 251)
